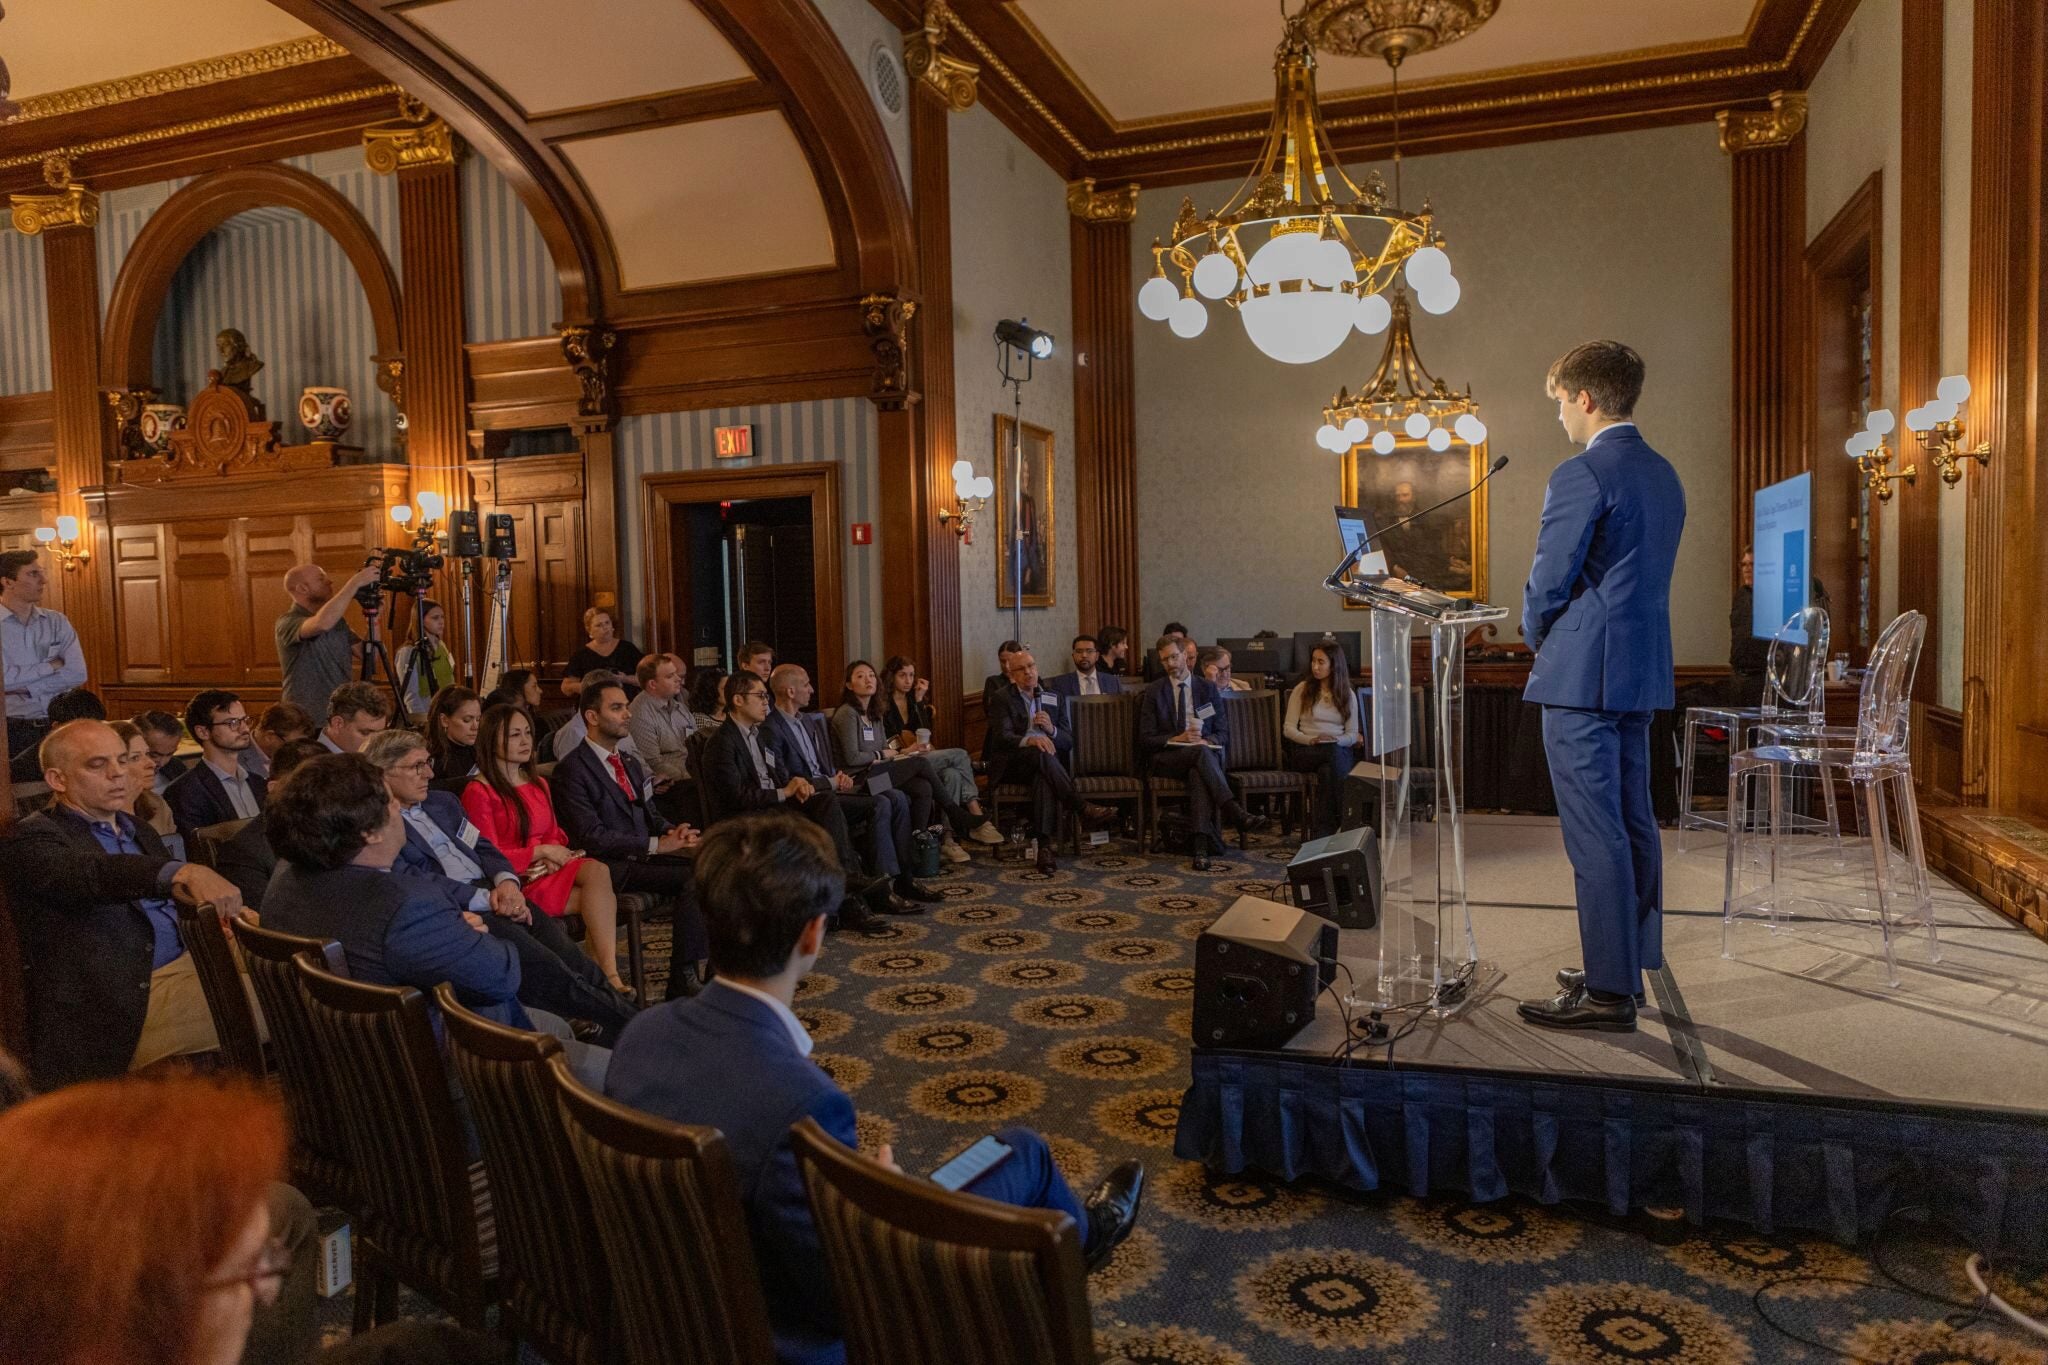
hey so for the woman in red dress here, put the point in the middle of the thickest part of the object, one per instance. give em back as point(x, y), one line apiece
point(509, 802)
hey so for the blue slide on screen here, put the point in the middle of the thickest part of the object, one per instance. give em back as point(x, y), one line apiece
point(1784, 567)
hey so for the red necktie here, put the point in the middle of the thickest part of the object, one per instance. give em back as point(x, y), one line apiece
point(625, 783)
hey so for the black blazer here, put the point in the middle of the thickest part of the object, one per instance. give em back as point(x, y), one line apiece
point(596, 815)
point(728, 781)
point(86, 943)
point(247, 860)
point(1158, 723)
point(197, 798)
point(1009, 724)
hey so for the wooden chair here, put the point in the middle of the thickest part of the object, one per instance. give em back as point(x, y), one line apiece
point(923, 1276)
point(1254, 763)
point(207, 839)
point(205, 936)
point(554, 1291)
point(424, 1214)
point(1105, 757)
point(667, 1206)
point(320, 1163)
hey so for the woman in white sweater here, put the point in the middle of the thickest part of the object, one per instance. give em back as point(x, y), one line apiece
point(1323, 730)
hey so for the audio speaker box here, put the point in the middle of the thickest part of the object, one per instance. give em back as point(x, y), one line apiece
point(1339, 878)
point(1258, 971)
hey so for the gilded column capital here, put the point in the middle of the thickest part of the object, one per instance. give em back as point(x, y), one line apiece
point(588, 349)
point(1749, 130)
point(954, 79)
point(73, 205)
point(885, 318)
point(1091, 205)
point(415, 138)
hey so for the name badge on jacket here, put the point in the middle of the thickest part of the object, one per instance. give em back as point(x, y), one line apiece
point(469, 834)
point(1206, 712)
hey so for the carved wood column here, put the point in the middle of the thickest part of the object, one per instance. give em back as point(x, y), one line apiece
point(1105, 404)
point(590, 351)
point(1770, 244)
point(1919, 326)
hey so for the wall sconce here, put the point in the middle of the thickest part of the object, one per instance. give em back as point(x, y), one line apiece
point(1938, 426)
point(972, 493)
point(1871, 453)
point(64, 542)
point(432, 508)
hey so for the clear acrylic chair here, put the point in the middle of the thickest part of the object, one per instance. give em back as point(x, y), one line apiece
point(1795, 687)
point(1875, 759)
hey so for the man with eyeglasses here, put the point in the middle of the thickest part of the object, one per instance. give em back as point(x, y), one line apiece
point(217, 788)
point(164, 735)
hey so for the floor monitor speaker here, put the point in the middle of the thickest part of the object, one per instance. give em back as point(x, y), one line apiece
point(1258, 971)
point(1339, 878)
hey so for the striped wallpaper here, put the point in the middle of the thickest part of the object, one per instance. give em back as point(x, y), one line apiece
point(510, 289)
point(842, 429)
point(24, 302)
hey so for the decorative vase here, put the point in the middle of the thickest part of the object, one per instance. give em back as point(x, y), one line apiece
point(325, 412)
point(156, 424)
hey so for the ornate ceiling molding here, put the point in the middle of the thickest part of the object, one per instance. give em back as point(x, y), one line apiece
point(73, 205)
point(588, 349)
point(955, 79)
point(286, 110)
point(1091, 205)
point(885, 318)
point(417, 138)
point(1749, 130)
point(254, 62)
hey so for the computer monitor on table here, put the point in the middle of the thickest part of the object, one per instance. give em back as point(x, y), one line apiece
point(1305, 642)
point(1268, 655)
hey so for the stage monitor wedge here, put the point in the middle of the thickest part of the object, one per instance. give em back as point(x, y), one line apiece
point(1258, 971)
point(1338, 877)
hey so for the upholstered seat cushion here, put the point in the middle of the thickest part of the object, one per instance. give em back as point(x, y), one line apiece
point(1107, 786)
point(1268, 780)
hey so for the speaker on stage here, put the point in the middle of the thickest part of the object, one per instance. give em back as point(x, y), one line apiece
point(1258, 970)
point(1339, 878)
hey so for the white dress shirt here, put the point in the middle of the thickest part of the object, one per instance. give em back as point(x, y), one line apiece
point(236, 783)
point(1088, 683)
point(27, 649)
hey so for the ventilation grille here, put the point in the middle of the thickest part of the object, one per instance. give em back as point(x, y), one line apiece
point(885, 74)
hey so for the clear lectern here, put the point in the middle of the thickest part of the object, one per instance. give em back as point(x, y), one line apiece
point(1422, 943)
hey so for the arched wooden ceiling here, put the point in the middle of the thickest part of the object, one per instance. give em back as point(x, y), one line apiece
point(681, 157)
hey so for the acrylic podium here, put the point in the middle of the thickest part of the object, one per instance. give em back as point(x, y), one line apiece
point(1422, 944)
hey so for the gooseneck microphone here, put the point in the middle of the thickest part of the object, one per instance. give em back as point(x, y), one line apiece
point(1337, 575)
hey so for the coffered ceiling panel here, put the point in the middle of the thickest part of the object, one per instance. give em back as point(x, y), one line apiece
point(53, 45)
point(680, 201)
point(548, 55)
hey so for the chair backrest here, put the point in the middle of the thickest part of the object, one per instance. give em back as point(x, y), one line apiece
point(1796, 668)
point(207, 839)
point(552, 1278)
point(205, 936)
point(319, 1149)
point(1254, 731)
point(924, 1276)
point(1105, 737)
point(405, 1141)
point(666, 1201)
point(1884, 710)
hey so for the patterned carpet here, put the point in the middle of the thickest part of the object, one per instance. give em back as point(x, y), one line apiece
point(1064, 1002)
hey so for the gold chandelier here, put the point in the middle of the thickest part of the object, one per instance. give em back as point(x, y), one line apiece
point(1402, 398)
point(1393, 30)
point(1301, 251)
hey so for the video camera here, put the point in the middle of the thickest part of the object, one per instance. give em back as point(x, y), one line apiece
point(408, 569)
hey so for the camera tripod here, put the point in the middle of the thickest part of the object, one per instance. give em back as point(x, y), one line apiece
point(375, 655)
point(498, 641)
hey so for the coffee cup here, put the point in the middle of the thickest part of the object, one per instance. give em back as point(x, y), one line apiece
point(924, 736)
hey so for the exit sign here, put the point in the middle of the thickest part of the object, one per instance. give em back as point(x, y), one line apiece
point(734, 443)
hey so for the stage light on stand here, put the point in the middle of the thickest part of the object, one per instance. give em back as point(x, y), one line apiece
point(1023, 336)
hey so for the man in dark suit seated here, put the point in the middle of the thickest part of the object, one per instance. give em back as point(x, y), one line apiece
point(605, 801)
point(767, 881)
point(110, 986)
point(997, 681)
point(1088, 678)
point(1027, 732)
point(1152, 669)
point(217, 788)
point(880, 822)
point(1183, 732)
point(440, 843)
point(247, 860)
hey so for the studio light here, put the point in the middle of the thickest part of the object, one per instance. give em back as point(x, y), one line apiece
point(1026, 338)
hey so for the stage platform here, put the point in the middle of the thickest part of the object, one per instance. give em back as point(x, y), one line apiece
point(1786, 1086)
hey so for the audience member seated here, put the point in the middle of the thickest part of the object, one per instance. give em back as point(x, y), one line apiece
point(861, 745)
point(605, 649)
point(707, 698)
point(1114, 644)
point(605, 802)
point(520, 687)
point(757, 658)
point(1153, 670)
point(281, 724)
point(247, 860)
point(1213, 663)
point(77, 703)
point(1324, 731)
point(660, 724)
point(1183, 731)
point(1087, 678)
point(999, 680)
point(216, 788)
point(110, 987)
point(164, 733)
point(450, 730)
point(144, 803)
point(355, 711)
point(907, 718)
point(742, 773)
point(574, 731)
point(882, 820)
point(424, 665)
point(768, 882)
point(510, 803)
point(1027, 734)
point(441, 845)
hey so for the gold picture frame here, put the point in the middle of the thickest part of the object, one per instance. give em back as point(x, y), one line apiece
point(1372, 481)
point(1041, 545)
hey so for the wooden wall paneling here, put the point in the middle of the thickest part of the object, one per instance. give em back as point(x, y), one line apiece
point(1770, 235)
point(206, 600)
point(142, 598)
point(78, 424)
point(599, 556)
point(545, 496)
point(26, 439)
point(1105, 406)
point(271, 547)
point(1918, 310)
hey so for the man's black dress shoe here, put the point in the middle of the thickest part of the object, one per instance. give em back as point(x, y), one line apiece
point(1201, 860)
point(1577, 1009)
point(584, 1031)
point(883, 901)
point(1247, 823)
point(853, 914)
point(911, 889)
point(1113, 1210)
point(1574, 978)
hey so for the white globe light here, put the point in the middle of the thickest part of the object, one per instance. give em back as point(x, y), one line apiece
point(1439, 439)
point(1440, 297)
point(963, 472)
point(1417, 426)
point(1862, 443)
point(1428, 266)
point(1355, 432)
point(1943, 411)
point(1374, 313)
point(1288, 256)
point(1189, 317)
point(1954, 389)
point(1916, 420)
point(1157, 298)
point(1329, 438)
point(1215, 276)
point(1383, 443)
point(1470, 429)
point(1298, 328)
point(984, 487)
point(1331, 264)
point(1882, 422)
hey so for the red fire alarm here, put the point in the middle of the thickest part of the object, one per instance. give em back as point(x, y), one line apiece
point(863, 533)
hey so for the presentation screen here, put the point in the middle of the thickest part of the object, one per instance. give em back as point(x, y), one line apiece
point(1355, 526)
point(1782, 545)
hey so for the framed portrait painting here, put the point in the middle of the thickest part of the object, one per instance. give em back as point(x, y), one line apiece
point(1029, 544)
point(1445, 550)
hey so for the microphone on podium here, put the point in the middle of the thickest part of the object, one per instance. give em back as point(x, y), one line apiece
point(1337, 575)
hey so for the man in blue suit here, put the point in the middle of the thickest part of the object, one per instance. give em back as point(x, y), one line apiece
point(766, 881)
point(1597, 613)
point(1028, 734)
point(1183, 732)
point(1087, 679)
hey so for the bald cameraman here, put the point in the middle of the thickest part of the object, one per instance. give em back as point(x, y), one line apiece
point(316, 651)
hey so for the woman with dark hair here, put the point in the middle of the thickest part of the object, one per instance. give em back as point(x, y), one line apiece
point(1114, 642)
point(451, 735)
point(144, 803)
point(906, 718)
point(1322, 730)
point(520, 687)
point(510, 805)
point(424, 665)
point(605, 649)
point(860, 741)
point(707, 699)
